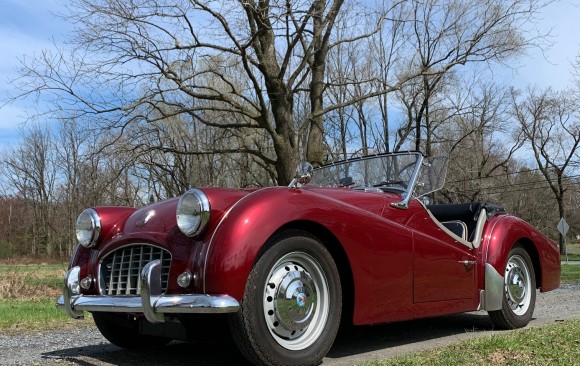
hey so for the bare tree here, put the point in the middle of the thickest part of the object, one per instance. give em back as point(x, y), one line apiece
point(146, 60)
point(252, 62)
point(31, 170)
point(446, 34)
point(472, 125)
point(529, 196)
point(551, 126)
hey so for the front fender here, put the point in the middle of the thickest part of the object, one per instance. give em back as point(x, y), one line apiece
point(246, 227)
point(504, 233)
point(240, 236)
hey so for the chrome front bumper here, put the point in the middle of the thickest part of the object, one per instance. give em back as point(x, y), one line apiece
point(152, 303)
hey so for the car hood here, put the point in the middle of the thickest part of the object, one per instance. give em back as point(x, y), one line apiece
point(160, 216)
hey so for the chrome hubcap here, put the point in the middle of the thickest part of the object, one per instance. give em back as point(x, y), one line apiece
point(296, 301)
point(517, 285)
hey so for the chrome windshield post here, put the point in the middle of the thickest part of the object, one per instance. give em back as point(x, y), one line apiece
point(404, 204)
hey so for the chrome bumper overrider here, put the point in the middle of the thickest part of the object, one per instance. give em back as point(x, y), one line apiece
point(152, 303)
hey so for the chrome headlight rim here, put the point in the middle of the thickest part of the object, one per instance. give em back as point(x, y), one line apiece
point(90, 240)
point(193, 216)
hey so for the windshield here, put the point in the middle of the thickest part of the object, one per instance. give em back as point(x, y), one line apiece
point(387, 172)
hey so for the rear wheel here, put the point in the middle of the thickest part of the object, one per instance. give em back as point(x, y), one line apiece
point(519, 297)
point(124, 332)
point(291, 308)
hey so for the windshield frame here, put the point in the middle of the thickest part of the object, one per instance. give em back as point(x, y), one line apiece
point(405, 187)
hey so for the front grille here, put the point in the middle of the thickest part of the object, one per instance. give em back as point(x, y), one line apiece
point(120, 269)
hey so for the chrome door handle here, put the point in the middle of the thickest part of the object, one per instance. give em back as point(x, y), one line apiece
point(467, 263)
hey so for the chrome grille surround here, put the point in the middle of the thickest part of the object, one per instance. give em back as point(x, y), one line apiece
point(119, 270)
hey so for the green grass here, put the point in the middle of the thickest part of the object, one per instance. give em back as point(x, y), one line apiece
point(39, 315)
point(573, 250)
point(557, 344)
point(572, 257)
point(28, 295)
point(570, 273)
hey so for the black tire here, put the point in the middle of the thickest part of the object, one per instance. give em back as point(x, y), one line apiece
point(291, 309)
point(124, 332)
point(519, 298)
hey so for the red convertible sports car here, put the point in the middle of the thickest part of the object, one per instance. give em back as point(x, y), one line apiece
point(350, 241)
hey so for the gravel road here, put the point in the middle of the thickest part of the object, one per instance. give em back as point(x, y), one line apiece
point(85, 346)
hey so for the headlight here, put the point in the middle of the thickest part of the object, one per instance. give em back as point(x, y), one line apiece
point(88, 228)
point(193, 212)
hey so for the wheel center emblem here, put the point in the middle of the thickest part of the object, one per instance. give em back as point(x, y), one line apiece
point(301, 299)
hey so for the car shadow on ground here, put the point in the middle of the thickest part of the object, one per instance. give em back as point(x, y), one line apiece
point(351, 341)
point(357, 340)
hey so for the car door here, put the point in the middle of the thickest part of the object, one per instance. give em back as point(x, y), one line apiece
point(443, 268)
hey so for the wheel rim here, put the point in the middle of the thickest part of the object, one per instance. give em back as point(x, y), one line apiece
point(518, 285)
point(296, 301)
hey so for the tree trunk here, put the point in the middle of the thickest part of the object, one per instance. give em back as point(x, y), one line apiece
point(314, 152)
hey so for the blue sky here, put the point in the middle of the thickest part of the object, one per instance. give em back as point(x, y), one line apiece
point(29, 26)
point(26, 28)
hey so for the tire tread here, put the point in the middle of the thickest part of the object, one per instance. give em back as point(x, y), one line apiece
point(243, 324)
point(504, 318)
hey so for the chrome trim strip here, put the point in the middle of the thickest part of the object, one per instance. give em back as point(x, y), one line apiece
point(151, 302)
point(165, 304)
point(494, 287)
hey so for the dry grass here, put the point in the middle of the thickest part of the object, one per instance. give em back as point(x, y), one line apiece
point(28, 291)
point(31, 282)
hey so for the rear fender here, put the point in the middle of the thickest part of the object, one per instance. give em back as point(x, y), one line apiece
point(505, 232)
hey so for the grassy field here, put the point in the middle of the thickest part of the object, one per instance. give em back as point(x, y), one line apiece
point(573, 250)
point(570, 273)
point(31, 282)
point(556, 344)
point(28, 295)
point(571, 257)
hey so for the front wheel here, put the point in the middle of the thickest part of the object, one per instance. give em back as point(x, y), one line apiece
point(519, 297)
point(291, 308)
